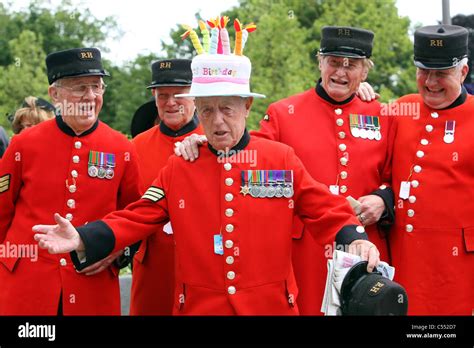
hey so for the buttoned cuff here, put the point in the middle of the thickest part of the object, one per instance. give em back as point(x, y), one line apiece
point(388, 216)
point(350, 233)
point(99, 241)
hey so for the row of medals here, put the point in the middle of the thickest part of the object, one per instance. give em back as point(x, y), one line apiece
point(365, 133)
point(101, 172)
point(259, 191)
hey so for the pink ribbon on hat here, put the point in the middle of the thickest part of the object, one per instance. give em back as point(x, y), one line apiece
point(240, 81)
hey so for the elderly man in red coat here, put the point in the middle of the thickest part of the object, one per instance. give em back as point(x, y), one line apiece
point(231, 211)
point(153, 265)
point(343, 142)
point(433, 178)
point(73, 164)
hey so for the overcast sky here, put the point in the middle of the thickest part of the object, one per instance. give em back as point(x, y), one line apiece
point(146, 22)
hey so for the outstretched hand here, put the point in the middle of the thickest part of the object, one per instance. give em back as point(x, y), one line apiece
point(60, 238)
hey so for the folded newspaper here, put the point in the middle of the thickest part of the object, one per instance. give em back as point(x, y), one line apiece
point(337, 270)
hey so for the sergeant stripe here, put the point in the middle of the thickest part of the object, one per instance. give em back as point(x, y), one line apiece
point(4, 183)
point(154, 194)
point(5, 178)
point(156, 190)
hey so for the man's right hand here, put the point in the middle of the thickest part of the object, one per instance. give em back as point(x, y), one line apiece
point(60, 238)
point(189, 147)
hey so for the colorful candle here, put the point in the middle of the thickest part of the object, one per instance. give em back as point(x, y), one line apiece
point(214, 37)
point(194, 39)
point(225, 35)
point(245, 33)
point(205, 36)
point(238, 38)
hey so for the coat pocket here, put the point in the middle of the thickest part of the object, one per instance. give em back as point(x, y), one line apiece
point(9, 262)
point(468, 236)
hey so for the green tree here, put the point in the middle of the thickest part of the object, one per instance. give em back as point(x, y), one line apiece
point(126, 91)
point(25, 76)
point(66, 26)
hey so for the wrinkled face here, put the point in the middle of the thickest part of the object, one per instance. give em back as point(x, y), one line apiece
point(174, 112)
point(440, 88)
point(341, 76)
point(223, 119)
point(79, 99)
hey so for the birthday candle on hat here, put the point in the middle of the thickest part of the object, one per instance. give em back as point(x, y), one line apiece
point(214, 36)
point(245, 33)
point(225, 35)
point(205, 36)
point(238, 38)
point(194, 38)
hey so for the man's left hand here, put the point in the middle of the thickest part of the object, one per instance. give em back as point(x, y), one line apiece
point(101, 265)
point(371, 209)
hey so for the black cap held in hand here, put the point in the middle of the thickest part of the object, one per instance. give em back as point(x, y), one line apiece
point(364, 293)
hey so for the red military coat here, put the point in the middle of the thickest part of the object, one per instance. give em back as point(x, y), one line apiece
point(37, 176)
point(153, 264)
point(433, 238)
point(319, 132)
point(253, 275)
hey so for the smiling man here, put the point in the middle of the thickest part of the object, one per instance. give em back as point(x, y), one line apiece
point(344, 143)
point(433, 179)
point(73, 164)
point(153, 264)
point(231, 221)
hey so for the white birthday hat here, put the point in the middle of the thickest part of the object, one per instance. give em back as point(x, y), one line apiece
point(217, 72)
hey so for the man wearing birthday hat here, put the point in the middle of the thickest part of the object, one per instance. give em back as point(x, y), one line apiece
point(349, 150)
point(231, 211)
point(433, 178)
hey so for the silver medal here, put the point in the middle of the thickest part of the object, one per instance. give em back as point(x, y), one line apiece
point(355, 132)
point(92, 171)
point(370, 134)
point(378, 135)
point(279, 192)
point(109, 173)
point(101, 173)
point(288, 192)
point(271, 192)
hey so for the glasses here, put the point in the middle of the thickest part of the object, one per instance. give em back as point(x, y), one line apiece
point(81, 90)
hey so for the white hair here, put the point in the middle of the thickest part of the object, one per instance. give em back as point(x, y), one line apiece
point(463, 62)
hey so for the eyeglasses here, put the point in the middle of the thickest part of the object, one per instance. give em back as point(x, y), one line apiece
point(80, 90)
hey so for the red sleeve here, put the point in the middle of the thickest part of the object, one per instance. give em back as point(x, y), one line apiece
point(10, 185)
point(143, 217)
